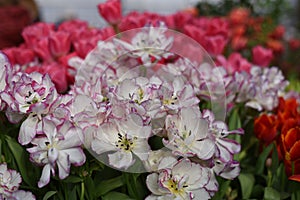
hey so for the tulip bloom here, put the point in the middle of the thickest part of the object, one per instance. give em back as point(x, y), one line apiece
point(291, 151)
point(262, 56)
point(111, 11)
point(265, 128)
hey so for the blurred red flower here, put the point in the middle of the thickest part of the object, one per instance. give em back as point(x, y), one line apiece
point(234, 63)
point(111, 11)
point(278, 32)
point(239, 15)
point(262, 56)
point(275, 45)
point(294, 44)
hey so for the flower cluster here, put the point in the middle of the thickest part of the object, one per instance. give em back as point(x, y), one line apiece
point(47, 49)
point(132, 99)
point(283, 127)
point(117, 103)
point(76, 92)
point(34, 97)
point(9, 185)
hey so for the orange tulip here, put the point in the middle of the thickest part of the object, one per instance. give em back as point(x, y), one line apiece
point(290, 141)
point(239, 15)
point(265, 128)
point(275, 45)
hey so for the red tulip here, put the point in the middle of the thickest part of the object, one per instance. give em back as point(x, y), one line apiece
point(294, 44)
point(265, 128)
point(59, 43)
point(18, 55)
point(132, 21)
point(41, 48)
point(291, 150)
point(262, 56)
point(278, 32)
point(217, 26)
point(194, 32)
point(36, 32)
point(295, 177)
point(214, 44)
point(239, 42)
point(107, 32)
point(287, 109)
point(239, 15)
point(181, 19)
point(234, 63)
point(111, 11)
point(275, 45)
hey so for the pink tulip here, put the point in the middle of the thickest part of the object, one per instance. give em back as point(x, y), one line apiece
point(111, 11)
point(41, 48)
point(234, 63)
point(59, 43)
point(131, 21)
point(36, 32)
point(20, 55)
point(181, 19)
point(215, 44)
point(194, 32)
point(262, 56)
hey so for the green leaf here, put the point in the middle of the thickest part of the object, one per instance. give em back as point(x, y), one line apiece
point(116, 195)
point(73, 193)
point(234, 120)
point(22, 159)
point(296, 195)
point(261, 161)
point(247, 182)
point(257, 191)
point(271, 194)
point(108, 185)
point(49, 194)
point(135, 185)
point(89, 188)
point(73, 179)
point(275, 160)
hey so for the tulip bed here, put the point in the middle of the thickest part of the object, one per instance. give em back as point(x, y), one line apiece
point(150, 107)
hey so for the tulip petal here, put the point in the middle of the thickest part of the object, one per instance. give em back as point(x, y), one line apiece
point(295, 177)
point(45, 178)
point(295, 151)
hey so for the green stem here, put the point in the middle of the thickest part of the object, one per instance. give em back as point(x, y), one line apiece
point(269, 178)
point(82, 191)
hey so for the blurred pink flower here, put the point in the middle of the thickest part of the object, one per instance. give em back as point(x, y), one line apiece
point(59, 43)
point(278, 32)
point(181, 19)
point(131, 21)
point(234, 63)
point(239, 42)
point(262, 56)
point(20, 55)
point(41, 48)
point(294, 43)
point(215, 45)
point(32, 34)
point(111, 11)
